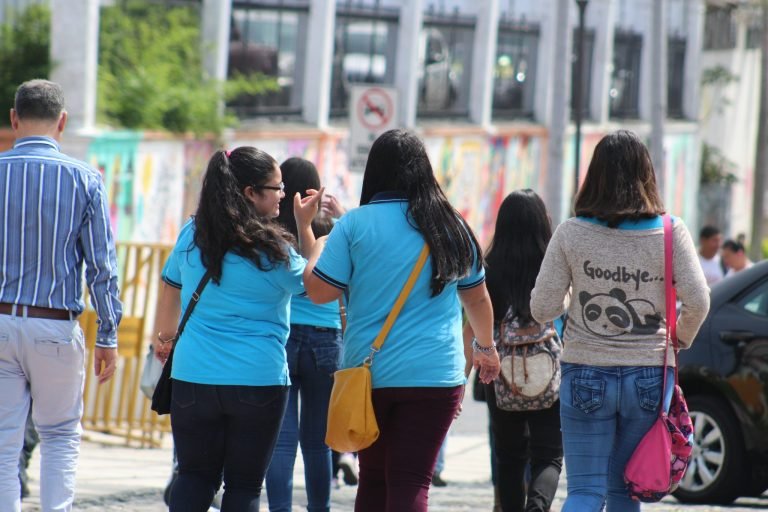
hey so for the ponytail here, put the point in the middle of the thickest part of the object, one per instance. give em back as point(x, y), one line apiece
point(226, 220)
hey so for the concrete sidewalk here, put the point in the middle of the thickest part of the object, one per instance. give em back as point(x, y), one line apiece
point(115, 478)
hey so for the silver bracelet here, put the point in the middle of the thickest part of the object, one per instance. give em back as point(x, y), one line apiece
point(479, 348)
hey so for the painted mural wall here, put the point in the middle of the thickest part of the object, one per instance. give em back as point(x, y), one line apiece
point(153, 181)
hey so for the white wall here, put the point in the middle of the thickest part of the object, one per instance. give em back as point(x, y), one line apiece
point(734, 129)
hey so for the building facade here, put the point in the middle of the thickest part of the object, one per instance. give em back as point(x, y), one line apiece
point(487, 83)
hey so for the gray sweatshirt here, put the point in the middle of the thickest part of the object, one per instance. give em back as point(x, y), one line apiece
point(617, 313)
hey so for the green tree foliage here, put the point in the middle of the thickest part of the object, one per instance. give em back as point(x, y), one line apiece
point(151, 74)
point(715, 167)
point(24, 52)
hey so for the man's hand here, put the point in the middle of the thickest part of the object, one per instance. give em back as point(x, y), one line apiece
point(104, 363)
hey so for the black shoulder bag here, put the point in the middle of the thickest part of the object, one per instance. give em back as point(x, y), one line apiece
point(161, 398)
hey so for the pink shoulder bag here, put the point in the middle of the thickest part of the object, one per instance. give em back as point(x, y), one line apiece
point(660, 460)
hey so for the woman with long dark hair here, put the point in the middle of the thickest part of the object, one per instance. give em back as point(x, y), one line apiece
point(230, 377)
point(611, 255)
point(314, 352)
point(418, 377)
point(521, 437)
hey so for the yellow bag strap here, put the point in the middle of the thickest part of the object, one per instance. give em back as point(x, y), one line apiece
point(389, 322)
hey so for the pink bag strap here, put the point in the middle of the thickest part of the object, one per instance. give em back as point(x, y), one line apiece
point(671, 305)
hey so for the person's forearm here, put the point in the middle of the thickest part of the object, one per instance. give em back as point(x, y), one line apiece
point(167, 312)
point(477, 305)
point(307, 241)
point(101, 273)
point(467, 335)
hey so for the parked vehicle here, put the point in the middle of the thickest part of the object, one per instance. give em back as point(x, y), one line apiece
point(725, 379)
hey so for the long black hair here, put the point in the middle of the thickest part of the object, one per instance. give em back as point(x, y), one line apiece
point(398, 162)
point(226, 220)
point(523, 230)
point(298, 176)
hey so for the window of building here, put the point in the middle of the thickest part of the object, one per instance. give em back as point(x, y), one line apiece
point(365, 46)
point(675, 76)
point(625, 79)
point(586, 78)
point(445, 64)
point(719, 28)
point(754, 34)
point(514, 72)
point(269, 37)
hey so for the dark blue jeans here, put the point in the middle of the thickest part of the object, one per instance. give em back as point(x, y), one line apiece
point(229, 430)
point(313, 355)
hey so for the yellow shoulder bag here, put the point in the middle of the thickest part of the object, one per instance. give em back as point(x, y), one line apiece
point(351, 421)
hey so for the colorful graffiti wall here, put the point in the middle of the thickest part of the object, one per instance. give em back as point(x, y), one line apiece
point(153, 182)
point(150, 183)
point(478, 172)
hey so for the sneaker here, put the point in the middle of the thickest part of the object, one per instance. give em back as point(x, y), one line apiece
point(348, 467)
point(437, 480)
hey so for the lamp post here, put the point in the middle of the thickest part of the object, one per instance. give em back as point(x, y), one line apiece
point(578, 101)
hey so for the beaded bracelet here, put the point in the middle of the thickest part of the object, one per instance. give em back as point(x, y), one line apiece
point(479, 348)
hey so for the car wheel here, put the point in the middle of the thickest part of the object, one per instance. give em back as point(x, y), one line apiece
point(714, 473)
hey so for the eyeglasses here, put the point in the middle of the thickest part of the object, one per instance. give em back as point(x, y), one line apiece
point(280, 186)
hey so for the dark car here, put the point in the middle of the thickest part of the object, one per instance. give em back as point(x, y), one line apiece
point(724, 376)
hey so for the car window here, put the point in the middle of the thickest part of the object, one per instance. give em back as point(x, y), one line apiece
point(756, 301)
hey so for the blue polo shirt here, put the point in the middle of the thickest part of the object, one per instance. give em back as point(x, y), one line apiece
point(305, 312)
point(370, 253)
point(633, 225)
point(237, 333)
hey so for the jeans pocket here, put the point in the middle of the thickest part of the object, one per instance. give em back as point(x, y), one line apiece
point(588, 394)
point(183, 394)
point(327, 359)
point(649, 392)
point(258, 396)
point(3, 341)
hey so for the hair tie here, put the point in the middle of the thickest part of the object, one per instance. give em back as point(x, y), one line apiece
point(228, 152)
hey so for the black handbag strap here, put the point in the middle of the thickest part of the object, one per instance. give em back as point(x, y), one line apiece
point(192, 303)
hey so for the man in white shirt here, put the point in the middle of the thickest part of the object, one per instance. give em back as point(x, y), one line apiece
point(709, 254)
point(735, 257)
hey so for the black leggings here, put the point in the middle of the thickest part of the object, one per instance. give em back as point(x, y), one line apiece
point(520, 439)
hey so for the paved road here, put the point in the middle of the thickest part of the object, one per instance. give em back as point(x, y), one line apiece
point(115, 478)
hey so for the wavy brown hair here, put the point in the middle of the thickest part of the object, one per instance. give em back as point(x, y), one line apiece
point(620, 183)
point(226, 220)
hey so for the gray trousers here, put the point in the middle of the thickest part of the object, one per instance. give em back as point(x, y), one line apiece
point(43, 360)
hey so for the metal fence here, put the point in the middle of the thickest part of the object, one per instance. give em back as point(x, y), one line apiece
point(118, 407)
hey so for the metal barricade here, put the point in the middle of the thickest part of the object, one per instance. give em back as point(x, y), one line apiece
point(118, 407)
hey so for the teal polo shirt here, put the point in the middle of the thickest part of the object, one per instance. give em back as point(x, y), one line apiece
point(370, 253)
point(237, 333)
point(304, 312)
point(633, 225)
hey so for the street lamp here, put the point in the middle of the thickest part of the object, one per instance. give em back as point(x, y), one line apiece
point(578, 101)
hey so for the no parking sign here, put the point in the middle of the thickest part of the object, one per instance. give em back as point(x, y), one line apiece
point(372, 112)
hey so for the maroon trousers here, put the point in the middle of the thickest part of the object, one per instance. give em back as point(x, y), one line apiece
point(396, 471)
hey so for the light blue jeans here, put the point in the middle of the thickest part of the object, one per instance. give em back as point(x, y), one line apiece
point(43, 359)
point(313, 355)
point(605, 411)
